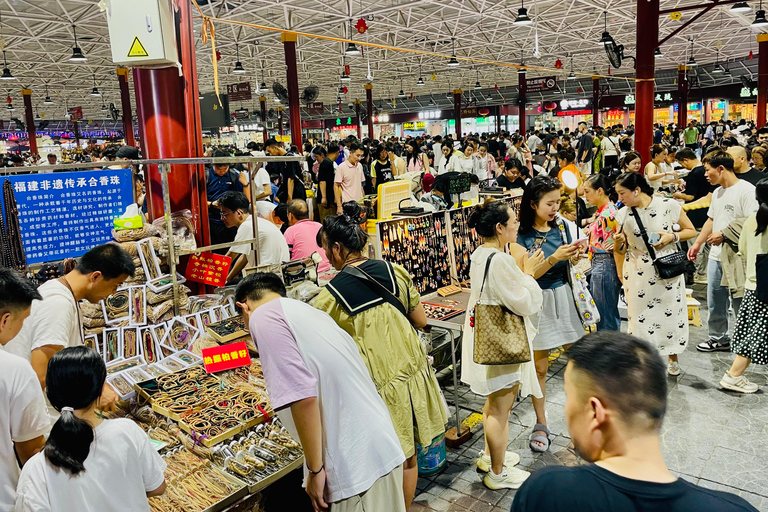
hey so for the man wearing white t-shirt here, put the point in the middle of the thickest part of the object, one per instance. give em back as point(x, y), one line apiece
point(323, 394)
point(262, 185)
point(734, 199)
point(23, 416)
point(273, 249)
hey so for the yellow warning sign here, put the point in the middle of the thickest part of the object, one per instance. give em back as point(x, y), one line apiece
point(137, 49)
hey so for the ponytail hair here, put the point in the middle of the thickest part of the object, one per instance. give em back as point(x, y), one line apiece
point(75, 379)
point(633, 181)
point(761, 192)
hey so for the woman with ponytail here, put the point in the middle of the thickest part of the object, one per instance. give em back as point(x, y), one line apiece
point(377, 304)
point(88, 464)
point(750, 338)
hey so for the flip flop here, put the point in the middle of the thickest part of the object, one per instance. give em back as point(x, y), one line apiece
point(538, 438)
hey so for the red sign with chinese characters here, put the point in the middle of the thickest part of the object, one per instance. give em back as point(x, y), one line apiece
point(208, 268)
point(226, 357)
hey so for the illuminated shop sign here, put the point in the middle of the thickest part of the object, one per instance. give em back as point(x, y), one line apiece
point(419, 125)
point(629, 99)
point(574, 104)
point(380, 119)
point(433, 114)
point(746, 92)
point(573, 113)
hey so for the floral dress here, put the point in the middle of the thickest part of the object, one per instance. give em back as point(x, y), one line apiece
point(657, 308)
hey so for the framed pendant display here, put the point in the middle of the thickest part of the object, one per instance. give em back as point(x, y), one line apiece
point(117, 306)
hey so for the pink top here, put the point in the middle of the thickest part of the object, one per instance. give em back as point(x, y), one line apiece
point(302, 242)
point(351, 179)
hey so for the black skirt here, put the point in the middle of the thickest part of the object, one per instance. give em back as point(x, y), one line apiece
point(750, 338)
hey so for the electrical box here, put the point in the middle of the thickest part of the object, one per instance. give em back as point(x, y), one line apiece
point(142, 32)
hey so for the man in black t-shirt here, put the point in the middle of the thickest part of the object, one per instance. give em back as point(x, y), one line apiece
point(616, 398)
point(291, 185)
point(697, 187)
point(325, 175)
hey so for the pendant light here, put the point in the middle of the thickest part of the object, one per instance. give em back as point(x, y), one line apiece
point(571, 75)
point(740, 7)
point(657, 52)
point(453, 62)
point(77, 53)
point(522, 15)
point(718, 68)
point(7, 75)
point(691, 61)
point(760, 20)
point(431, 101)
point(477, 83)
point(606, 39)
point(48, 100)
point(352, 49)
point(95, 91)
point(421, 78)
point(103, 105)
point(10, 108)
point(401, 94)
point(238, 65)
point(521, 69)
point(263, 85)
point(201, 96)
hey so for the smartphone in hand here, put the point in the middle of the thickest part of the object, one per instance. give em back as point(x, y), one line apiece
point(537, 243)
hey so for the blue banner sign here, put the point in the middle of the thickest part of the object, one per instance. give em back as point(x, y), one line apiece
point(64, 214)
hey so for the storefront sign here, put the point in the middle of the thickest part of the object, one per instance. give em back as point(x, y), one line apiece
point(226, 357)
point(746, 92)
point(629, 99)
point(541, 84)
point(76, 113)
point(663, 97)
point(208, 268)
point(341, 128)
point(315, 108)
point(434, 114)
point(574, 104)
point(338, 121)
point(239, 92)
point(419, 125)
point(573, 113)
point(469, 112)
point(63, 215)
point(380, 119)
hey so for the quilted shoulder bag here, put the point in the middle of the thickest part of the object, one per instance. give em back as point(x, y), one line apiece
point(500, 336)
point(669, 266)
point(582, 298)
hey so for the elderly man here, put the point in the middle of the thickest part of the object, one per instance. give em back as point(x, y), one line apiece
point(301, 236)
point(741, 166)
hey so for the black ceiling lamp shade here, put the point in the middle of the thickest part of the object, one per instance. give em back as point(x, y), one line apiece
point(77, 53)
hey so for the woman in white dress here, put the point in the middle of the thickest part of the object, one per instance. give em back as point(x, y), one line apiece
point(463, 162)
point(509, 283)
point(657, 308)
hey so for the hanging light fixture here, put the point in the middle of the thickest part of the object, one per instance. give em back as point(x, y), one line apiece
point(521, 69)
point(691, 61)
point(657, 52)
point(718, 68)
point(103, 106)
point(77, 53)
point(421, 78)
point(760, 20)
point(7, 75)
point(9, 108)
point(522, 15)
point(263, 85)
point(352, 48)
point(238, 65)
point(740, 7)
point(606, 39)
point(431, 101)
point(48, 100)
point(571, 75)
point(453, 62)
point(95, 91)
point(401, 94)
point(201, 96)
point(477, 83)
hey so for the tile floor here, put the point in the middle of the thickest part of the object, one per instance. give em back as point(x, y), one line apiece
point(712, 437)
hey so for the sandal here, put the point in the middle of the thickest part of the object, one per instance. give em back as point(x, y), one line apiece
point(538, 438)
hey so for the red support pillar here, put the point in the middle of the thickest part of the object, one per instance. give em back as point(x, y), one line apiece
point(76, 132)
point(125, 100)
point(357, 120)
point(292, 77)
point(682, 95)
point(647, 36)
point(29, 119)
point(369, 108)
point(457, 111)
point(280, 123)
point(263, 104)
point(498, 118)
point(521, 92)
point(595, 101)
point(762, 78)
point(170, 127)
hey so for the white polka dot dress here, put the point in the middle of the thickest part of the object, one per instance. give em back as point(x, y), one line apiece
point(750, 338)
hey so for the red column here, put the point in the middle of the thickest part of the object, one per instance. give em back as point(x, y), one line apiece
point(682, 95)
point(263, 103)
point(29, 119)
point(595, 101)
point(457, 111)
point(647, 35)
point(125, 101)
point(498, 118)
point(369, 108)
point(280, 122)
point(762, 78)
point(521, 92)
point(170, 127)
point(357, 120)
point(292, 77)
point(76, 132)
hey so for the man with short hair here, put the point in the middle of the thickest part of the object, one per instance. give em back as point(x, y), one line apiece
point(586, 150)
point(697, 197)
point(691, 136)
point(325, 176)
point(762, 135)
point(733, 199)
point(236, 213)
point(349, 177)
point(291, 186)
point(323, 394)
point(301, 236)
point(23, 417)
point(741, 164)
point(220, 179)
point(616, 399)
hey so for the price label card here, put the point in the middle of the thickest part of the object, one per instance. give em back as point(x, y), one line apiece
point(226, 357)
point(208, 268)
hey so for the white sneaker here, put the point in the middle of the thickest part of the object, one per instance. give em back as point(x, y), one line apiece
point(673, 368)
point(484, 461)
point(740, 384)
point(510, 478)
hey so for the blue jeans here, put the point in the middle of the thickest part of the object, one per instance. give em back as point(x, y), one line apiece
point(719, 301)
point(605, 288)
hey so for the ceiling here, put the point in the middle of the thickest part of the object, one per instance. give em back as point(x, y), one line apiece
point(38, 39)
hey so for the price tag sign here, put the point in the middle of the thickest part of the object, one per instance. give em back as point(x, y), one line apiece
point(226, 357)
point(208, 268)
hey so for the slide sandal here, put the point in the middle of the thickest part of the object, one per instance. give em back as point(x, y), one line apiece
point(534, 438)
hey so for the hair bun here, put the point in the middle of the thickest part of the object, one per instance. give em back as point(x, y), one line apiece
point(474, 216)
point(352, 212)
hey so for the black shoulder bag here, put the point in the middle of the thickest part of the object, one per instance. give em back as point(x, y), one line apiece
point(669, 266)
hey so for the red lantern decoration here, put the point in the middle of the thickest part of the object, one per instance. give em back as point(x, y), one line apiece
point(346, 69)
point(483, 112)
point(218, 55)
point(579, 90)
point(345, 90)
point(361, 26)
point(550, 105)
point(558, 64)
point(496, 87)
point(751, 55)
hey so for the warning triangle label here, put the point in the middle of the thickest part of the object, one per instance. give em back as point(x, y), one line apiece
point(137, 49)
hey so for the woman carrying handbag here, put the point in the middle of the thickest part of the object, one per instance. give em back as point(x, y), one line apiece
point(505, 281)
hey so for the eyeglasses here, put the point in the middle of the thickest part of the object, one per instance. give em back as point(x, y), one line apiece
point(225, 214)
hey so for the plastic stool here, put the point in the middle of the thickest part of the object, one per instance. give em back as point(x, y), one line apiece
point(694, 317)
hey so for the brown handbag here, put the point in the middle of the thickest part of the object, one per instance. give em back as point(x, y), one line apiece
point(500, 336)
